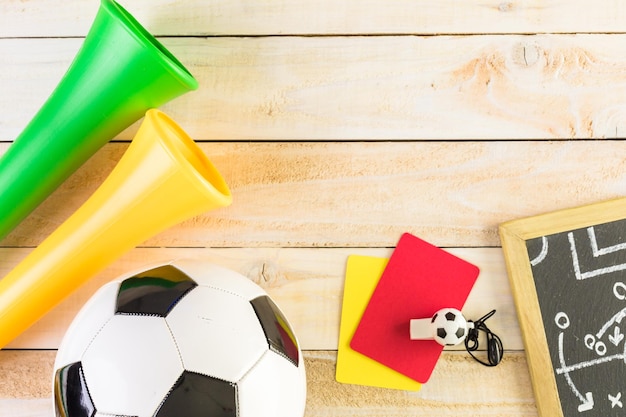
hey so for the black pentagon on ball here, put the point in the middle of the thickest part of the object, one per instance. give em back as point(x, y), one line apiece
point(280, 337)
point(441, 332)
point(460, 332)
point(195, 394)
point(450, 316)
point(154, 292)
point(71, 396)
point(434, 318)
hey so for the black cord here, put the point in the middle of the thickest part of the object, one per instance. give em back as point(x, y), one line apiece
point(494, 344)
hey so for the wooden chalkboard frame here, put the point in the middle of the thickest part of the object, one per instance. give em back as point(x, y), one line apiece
point(514, 235)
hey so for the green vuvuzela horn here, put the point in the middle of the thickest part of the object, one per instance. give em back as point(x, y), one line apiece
point(119, 73)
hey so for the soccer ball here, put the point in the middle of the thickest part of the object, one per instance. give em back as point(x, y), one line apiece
point(184, 339)
point(449, 327)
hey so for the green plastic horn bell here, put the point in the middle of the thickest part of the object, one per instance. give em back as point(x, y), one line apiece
point(119, 73)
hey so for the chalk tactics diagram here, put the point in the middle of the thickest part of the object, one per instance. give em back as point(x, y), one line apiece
point(591, 259)
point(594, 343)
point(597, 253)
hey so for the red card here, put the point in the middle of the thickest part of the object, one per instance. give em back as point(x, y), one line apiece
point(419, 280)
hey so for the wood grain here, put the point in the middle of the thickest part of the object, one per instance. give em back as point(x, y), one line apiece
point(357, 88)
point(339, 126)
point(37, 18)
point(510, 397)
point(366, 194)
point(456, 389)
point(306, 283)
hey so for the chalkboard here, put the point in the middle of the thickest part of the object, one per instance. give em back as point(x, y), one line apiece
point(568, 276)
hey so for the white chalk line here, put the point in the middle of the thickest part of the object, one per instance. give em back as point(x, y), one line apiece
point(593, 273)
point(591, 232)
point(617, 318)
point(563, 370)
point(567, 369)
point(544, 252)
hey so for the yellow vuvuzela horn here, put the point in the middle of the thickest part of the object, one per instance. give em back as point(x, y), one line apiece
point(162, 179)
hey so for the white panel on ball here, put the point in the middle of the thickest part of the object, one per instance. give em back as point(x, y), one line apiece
point(131, 364)
point(87, 323)
point(277, 384)
point(219, 328)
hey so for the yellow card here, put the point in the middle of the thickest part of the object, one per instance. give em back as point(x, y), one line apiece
point(362, 275)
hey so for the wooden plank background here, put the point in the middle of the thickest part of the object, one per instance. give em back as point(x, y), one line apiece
point(339, 126)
